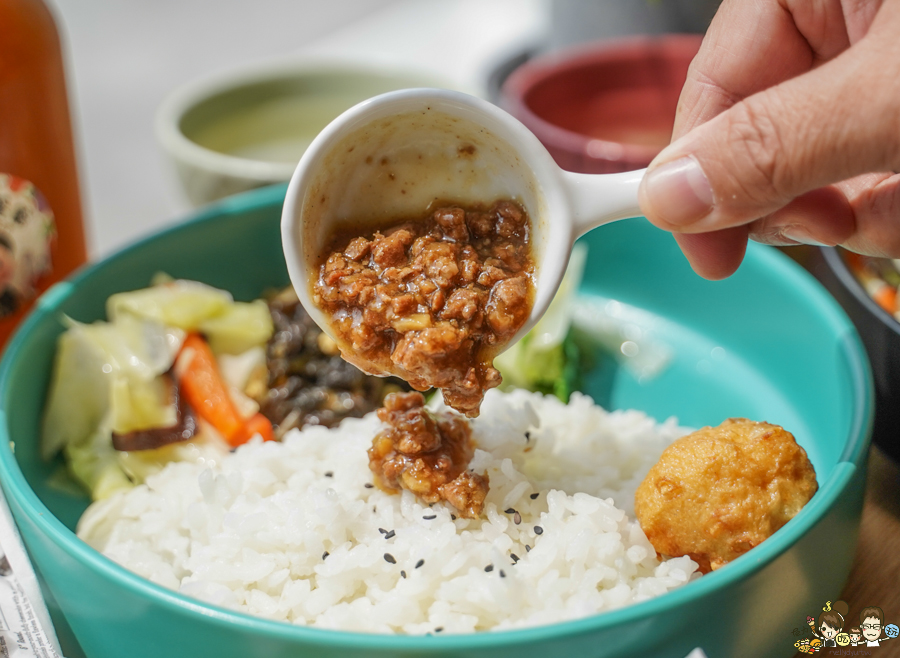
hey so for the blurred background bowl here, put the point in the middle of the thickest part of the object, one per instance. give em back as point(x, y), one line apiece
point(806, 371)
point(605, 107)
point(248, 128)
point(880, 333)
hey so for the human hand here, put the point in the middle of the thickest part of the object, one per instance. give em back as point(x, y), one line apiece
point(788, 129)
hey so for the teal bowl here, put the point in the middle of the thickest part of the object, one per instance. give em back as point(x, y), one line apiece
point(788, 355)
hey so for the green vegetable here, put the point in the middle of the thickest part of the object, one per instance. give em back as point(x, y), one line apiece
point(182, 304)
point(240, 327)
point(553, 371)
point(95, 464)
point(79, 393)
point(231, 327)
point(138, 465)
point(573, 370)
point(108, 372)
point(108, 375)
point(547, 359)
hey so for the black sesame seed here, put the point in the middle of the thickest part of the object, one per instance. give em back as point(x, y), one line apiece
point(389, 558)
point(502, 575)
point(515, 558)
point(329, 474)
point(517, 518)
point(430, 517)
point(538, 530)
point(527, 436)
point(382, 531)
point(420, 563)
point(438, 629)
point(325, 554)
point(535, 495)
point(453, 517)
point(527, 548)
point(403, 573)
point(510, 510)
point(489, 568)
point(369, 485)
point(390, 534)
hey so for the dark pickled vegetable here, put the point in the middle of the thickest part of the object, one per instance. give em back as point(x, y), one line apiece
point(308, 381)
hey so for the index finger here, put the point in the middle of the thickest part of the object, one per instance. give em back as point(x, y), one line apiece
point(753, 45)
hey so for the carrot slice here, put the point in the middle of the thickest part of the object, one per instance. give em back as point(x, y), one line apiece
point(855, 261)
point(205, 390)
point(886, 297)
point(256, 424)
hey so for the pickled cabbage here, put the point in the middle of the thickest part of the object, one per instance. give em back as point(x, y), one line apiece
point(109, 372)
point(182, 304)
point(240, 327)
point(231, 327)
point(95, 464)
point(109, 377)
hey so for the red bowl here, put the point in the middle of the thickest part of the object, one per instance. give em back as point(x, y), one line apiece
point(606, 107)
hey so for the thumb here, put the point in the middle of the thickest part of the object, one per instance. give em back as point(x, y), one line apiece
point(827, 125)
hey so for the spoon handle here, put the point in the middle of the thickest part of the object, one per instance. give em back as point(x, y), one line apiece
point(599, 199)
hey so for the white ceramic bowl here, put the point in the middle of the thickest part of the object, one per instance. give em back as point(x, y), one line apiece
point(247, 128)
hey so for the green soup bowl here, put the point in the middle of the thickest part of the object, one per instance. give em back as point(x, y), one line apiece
point(768, 344)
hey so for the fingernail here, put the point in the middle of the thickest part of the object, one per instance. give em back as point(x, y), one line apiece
point(679, 191)
point(801, 235)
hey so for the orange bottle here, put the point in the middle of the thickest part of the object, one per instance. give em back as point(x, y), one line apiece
point(41, 229)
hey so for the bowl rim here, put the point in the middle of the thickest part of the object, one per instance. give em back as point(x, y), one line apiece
point(535, 71)
point(840, 268)
point(180, 101)
point(853, 457)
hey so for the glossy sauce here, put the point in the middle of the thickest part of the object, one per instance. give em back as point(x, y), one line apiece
point(427, 454)
point(431, 300)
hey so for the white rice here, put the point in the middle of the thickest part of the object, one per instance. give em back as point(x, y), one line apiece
point(250, 533)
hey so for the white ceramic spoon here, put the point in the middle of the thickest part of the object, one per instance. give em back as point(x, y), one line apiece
point(394, 154)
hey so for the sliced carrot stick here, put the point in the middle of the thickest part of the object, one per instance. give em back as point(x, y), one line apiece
point(855, 261)
point(206, 392)
point(886, 297)
point(256, 424)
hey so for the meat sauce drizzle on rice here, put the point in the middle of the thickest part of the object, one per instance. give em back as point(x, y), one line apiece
point(296, 531)
point(428, 454)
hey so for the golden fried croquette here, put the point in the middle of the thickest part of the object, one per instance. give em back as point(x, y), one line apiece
point(715, 494)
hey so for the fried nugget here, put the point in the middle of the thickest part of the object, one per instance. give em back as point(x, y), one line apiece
point(715, 494)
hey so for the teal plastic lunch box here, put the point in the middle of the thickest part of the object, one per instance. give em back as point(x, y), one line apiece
point(767, 343)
